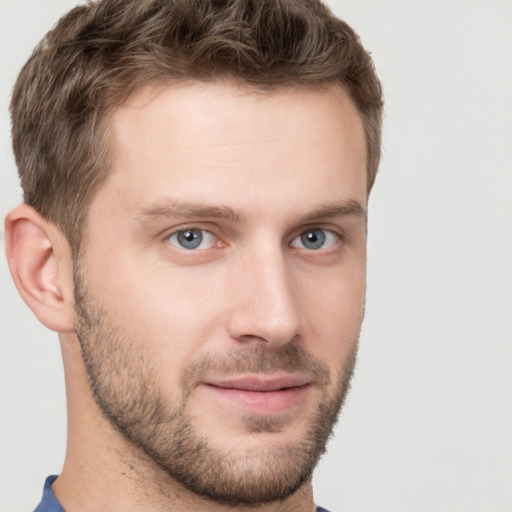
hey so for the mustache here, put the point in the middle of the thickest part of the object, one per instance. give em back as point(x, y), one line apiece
point(290, 358)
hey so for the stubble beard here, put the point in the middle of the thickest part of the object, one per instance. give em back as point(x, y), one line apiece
point(123, 384)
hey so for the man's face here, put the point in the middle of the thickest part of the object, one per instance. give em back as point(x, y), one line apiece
point(220, 288)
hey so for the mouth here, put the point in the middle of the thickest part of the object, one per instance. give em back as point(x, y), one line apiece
point(261, 394)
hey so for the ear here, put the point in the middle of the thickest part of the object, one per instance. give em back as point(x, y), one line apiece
point(40, 261)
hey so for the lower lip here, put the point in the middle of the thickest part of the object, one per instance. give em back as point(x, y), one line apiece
point(261, 402)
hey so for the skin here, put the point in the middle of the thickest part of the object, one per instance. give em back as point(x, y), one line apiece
point(280, 163)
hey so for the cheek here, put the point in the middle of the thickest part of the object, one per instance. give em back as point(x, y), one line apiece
point(168, 314)
point(334, 312)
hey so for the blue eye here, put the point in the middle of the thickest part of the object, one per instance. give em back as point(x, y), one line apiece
point(191, 239)
point(315, 239)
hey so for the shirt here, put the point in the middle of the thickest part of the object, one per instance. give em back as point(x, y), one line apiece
point(49, 502)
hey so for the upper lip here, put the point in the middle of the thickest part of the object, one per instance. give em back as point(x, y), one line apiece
point(262, 382)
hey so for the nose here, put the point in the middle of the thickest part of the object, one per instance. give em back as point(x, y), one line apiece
point(265, 306)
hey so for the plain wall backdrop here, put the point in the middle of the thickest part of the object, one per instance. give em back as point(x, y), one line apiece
point(428, 423)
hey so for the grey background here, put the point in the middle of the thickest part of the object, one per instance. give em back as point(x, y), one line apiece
point(428, 425)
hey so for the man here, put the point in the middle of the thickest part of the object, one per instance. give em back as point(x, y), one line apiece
point(195, 178)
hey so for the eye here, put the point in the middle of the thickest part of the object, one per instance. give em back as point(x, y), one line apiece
point(315, 239)
point(191, 239)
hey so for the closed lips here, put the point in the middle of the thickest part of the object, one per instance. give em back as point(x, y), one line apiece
point(261, 383)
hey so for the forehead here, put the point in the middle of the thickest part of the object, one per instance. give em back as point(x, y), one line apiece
point(205, 113)
point(223, 141)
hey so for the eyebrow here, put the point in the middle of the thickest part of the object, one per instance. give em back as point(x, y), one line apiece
point(171, 208)
point(337, 209)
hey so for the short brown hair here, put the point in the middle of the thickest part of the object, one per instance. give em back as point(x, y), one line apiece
point(100, 53)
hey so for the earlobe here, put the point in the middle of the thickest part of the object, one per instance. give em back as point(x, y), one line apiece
point(40, 263)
